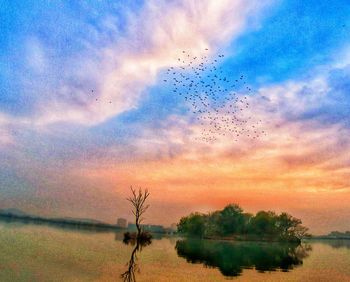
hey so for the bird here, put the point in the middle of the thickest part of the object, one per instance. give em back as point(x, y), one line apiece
point(224, 111)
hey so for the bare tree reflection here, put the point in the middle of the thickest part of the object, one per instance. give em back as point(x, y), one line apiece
point(129, 275)
point(139, 242)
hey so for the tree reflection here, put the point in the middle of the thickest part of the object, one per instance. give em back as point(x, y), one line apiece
point(231, 258)
point(139, 242)
point(336, 243)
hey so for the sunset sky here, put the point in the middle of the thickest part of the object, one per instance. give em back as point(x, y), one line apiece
point(85, 111)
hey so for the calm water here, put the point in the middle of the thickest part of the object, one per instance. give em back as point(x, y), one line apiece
point(42, 253)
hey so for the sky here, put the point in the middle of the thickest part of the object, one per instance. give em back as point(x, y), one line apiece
point(85, 112)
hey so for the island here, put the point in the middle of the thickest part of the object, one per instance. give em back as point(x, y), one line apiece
point(232, 223)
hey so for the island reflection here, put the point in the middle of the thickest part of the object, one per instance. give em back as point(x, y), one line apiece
point(231, 258)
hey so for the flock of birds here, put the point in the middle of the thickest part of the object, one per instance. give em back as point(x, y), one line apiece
point(218, 102)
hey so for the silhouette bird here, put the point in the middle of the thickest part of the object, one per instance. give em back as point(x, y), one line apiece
point(220, 110)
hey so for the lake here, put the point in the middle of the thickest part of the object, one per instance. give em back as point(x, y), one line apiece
point(45, 253)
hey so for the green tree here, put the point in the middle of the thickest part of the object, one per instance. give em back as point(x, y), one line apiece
point(213, 224)
point(194, 224)
point(290, 226)
point(263, 223)
point(247, 217)
point(231, 220)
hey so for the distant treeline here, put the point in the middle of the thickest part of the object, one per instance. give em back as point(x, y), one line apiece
point(71, 223)
point(336, 235)
point(56, 221)
point(233, 223)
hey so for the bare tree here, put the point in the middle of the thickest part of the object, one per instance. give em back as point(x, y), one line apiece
point(138, 201)
point(141, 239)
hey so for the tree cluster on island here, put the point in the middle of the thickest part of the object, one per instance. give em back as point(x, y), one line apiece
point(233, 223)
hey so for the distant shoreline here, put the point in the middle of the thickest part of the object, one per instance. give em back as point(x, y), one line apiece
point(59, 222)
point(76, 223)
point(266, 239)
point(325, 237)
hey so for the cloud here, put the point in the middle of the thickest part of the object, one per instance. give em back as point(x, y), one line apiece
point(303, 149)
point(36, 57)
point(6, 134)
point(119, 72)
point(301, 165)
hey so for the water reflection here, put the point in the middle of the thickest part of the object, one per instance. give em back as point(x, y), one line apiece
point(139, 242)
point(336, 243)
point(231, 258)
